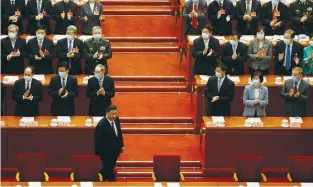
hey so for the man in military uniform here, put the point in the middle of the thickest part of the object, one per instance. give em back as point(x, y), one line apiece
point(96, 51)
point(301, 15)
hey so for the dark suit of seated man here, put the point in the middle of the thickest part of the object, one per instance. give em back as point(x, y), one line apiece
point(194, 15)
point(221, 13)
point(66, 14)
point(100, 90)
point(288, 54)
point(63, 88)
point(109, 142)
point(27, 92)
point(234, 55)
point(70, 49)
point(13, 51)
point(296, 94)
point(220, 92)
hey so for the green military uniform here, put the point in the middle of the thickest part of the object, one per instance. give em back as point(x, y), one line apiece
point(297, 11)
point(92, 46)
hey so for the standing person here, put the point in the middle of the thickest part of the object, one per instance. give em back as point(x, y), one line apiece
point(307, 64)
point(97, 50)
point(205, 52)
point(27, 92)
point(109, 142)
point(220, 91)
point(100, 90)
point(296, 94)
point(66, 14)
point(248, 14)
point(91, 15)
point(194, 13)
point(63, 88)
point(12, 12)
point(301, 16)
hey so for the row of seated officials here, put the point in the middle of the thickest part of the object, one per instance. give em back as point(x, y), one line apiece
point(40, 12)
point(249, 13)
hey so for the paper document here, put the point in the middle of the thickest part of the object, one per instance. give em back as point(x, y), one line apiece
point(64, 119)
point(278, 37)
point(192, 38)
point(86, 184)
point(269, 37)
point(220, 38)
point(28, 119)
point(96, 119)
point(58, 37)
point(247, 37)
point(173, 184)
point(311, 79)
point(306, 184)
point(204, 77)
point(158, 184)
point(218, 119)
point(34, 184)
point(234, 78)
point(39, 77)
point(295, 120)
point(10, 78)
point(29, 37)
point(253, 184)
point(84, 37)
point(286, 78)
point(3, 36)
point(255, 120)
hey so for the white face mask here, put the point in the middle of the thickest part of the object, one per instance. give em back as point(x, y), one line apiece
point(205, 36)
point(275, 2)
point(66, 1)
point(27, 78)
point(255, 82)
point(69, 37)
point(195, 1)
point(233, 42)
point(40, 36)
point(287, 41)
point(303, 1)
point(311, 43)
point(260, 36)
point(12, 35)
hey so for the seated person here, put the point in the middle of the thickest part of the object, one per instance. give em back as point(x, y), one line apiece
point(308, 58)
point(194, 15)
point(260, 53)
point(255, 97)
point(234, 55)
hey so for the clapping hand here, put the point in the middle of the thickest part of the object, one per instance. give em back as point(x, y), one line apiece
point(70, 54)
point(65, 95)
point(291, 92)
point(63, 15)
point(216, 98)
point(234, 56)
point(210, 53)
point(256, 101)
point(297, 95)
point(100, 91)
point(281, 56)
point(95, 55)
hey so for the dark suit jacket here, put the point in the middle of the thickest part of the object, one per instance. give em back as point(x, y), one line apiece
point(205, 65)
point(226, 94)
point(43, 66)
point(221, 26)
point(295, 107)
point(296, 12)
point(63, 106)
point(281, 48)
point(93, 20)
point(27, 107)
point(235, 67)
point(240, 12)
point(32, 13)
point(267, 13)
point(62, 50)
point(106, 141)
point(202, 10)
point(62, 24)
point(16, 64)
point(98, 103)
point(8, 10)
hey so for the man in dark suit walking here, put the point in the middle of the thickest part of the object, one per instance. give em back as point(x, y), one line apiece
point(220, 92)
point(12, 12)
point(234, 55)
point(288, 54)
point(39, 13)
point(194, 15)
point(70, 49)
point(65, 14)
point(13, 51)
point(248, 14)
point(91, 15)
point(63, 88)
point(221, 13)
point(41, 52)
point(109, 142)
point(100, 90)
point(296, 93)
point(27, 92)
point(205, 52)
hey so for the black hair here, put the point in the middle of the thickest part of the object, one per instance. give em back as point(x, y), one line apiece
point(111, 107)
point(63, 64)
point(259, 74)
point(31, 68)
point(208, 27)
point(222, 66)
point(41, 27)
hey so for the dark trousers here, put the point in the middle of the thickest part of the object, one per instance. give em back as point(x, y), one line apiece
point(108, 164)
point(264, 71)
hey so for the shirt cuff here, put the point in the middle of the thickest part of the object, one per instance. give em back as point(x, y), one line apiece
point(196, 14)
point(23, 97)
point(8, 57)
point(31, 98)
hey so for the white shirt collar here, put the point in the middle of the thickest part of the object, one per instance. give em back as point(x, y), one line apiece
point(222, 80)
point(109, 120)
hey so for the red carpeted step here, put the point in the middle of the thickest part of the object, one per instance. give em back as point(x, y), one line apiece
point(129, 86)
point(157, 128)
point(135, 2)
point(137, 10)
point(149, 163)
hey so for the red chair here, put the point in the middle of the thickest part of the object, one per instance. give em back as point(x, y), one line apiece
point(167, 168)
point(249, 169)
point(86, 168)
point(300, 168)
point(31, 167)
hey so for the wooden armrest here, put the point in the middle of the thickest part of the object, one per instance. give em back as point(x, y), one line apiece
point(264, 177)
point(100, 177)
point(46, 176)
point(72, 177)
point(153, 177)
point(17, 177)
point(289, 177)
point(235, 177)
point(182, 178)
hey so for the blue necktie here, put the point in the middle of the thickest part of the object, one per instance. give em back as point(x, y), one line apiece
point(38, 9)
point(288, 58)
point(70, 49)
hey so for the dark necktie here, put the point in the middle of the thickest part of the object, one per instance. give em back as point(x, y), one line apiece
point(40, 44)
point(100, 83)
point(288, 58)
point(113, 126)
point(70, 49)
point(296, 87)
point(27, 86)
point(219, 85)
point(38, 10)
point(248, 12)
point(63, 82)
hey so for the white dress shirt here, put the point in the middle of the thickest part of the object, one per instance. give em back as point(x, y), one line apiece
point(286, 53)
point(65, 82)
point(221, 82)
point(206, 43)
point(249, 5)
point(112, 123)
point(30, 83)
point(256, 93)
point(92, 6)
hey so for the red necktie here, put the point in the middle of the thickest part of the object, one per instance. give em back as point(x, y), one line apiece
point(194, 21)
point(274, 16)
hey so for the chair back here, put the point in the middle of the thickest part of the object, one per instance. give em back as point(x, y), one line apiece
point(249, 168)
point(86, 167)
point(31, 166)
point(301, 168)
point(166, 167)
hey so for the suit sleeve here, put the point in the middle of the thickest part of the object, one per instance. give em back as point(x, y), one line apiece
point(83, 14)
point(4, 54)
point(268, 55)
point(59, 52)
point(121, 134)
point(98, 138)
point(16, 95)
point(201, 15)
point(29, 12)
point(239, 14)
point(49, 10)
point(285, 93)
point(87, 54)
point(244, 54)
point(195, 50)
point(74, 92)
point(216, 48)
point(52, 91)
point(305, 96)
point(208, 91)
point(38, 97)
point(267, 22)
point(90, 92)
point(51, 51)
point(186, 12)
point(108, 54)
point(258, 13)
point(226, 59)
point(265, 101)
point(23, 49)
point(77, 56)
point(110, 93)
point(246, 100)
point(250, 52)
point(231, 93)
point(30, 52)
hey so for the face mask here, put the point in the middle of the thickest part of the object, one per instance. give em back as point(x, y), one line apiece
point(255, 82)
point(98, 76)
point(233, 42)
point(260, 36)
point(287, 41)
point(69, 37)
point(311, 43)
point(303, 1)
point(275, 2)
point(27, 78)
point(40, 36)
point(92, 1)
point(12, 35)
point(66, 1)
point(195, 1)
point(205, 36)
point(96, 36)
point(218, 74)
point(295, 79)
point(62, 74)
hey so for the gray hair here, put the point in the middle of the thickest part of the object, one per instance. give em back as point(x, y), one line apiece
point(12, 26)
point(71, 28)
point(101, 67)
point(96, 27)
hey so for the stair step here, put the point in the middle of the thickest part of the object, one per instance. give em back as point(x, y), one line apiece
point(146, 172)
point(144, 44)
point(164, 49)
point(142, 164)
point(157, 128)
point(137, 10)
point(135, 2)
point(151, 79)
point(156, 119)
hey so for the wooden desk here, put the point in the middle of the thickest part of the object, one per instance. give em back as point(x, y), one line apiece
point(275, 107)
point(273, 142)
